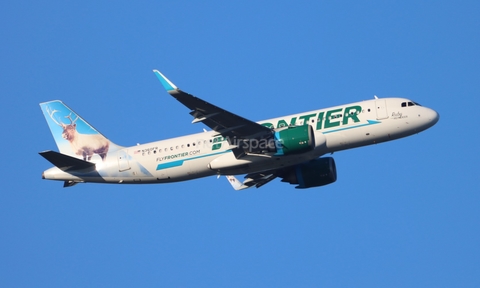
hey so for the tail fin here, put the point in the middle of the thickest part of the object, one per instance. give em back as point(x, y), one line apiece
point(73, 135)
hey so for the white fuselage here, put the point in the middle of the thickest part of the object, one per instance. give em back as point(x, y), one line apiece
point(204, 154)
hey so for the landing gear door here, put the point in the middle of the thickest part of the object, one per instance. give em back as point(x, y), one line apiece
point(381, 108)
point(123, 163)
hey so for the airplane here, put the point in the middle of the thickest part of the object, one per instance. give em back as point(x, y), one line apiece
point(289, 147)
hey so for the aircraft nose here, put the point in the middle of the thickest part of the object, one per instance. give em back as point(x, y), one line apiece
point(433, 116)
point(429, 118)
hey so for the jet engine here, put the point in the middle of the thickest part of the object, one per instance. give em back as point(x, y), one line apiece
point(294, 140)
point(318, 172)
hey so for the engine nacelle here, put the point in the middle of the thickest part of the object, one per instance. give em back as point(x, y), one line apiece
point(318, 172)
point(293, 140)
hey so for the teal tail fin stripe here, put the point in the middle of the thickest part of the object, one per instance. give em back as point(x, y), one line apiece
point(65, 162)
point(72, 134)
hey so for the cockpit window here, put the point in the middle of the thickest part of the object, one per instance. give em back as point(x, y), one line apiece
point(410, 103)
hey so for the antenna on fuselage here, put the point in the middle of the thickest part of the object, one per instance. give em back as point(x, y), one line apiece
point(375, 96)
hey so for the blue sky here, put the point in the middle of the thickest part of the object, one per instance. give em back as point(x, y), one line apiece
point(402, 214)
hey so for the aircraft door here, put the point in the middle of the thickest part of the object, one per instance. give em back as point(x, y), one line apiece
point(123, 163)
point(381, 108)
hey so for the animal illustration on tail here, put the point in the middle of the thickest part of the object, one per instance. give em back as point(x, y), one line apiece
point(84, 145)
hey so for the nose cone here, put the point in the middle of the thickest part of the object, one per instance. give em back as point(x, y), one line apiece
point(432, 116)
point(427, 118)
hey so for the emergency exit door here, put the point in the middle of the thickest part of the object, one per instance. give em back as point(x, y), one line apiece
point(381, 108)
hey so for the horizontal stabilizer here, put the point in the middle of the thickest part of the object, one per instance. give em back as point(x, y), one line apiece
point(65, 162)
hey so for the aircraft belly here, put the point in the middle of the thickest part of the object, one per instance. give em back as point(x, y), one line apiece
point(184, 170)
point(229, 161)
point(353, 138)
point(270, 163)
point(385, 130)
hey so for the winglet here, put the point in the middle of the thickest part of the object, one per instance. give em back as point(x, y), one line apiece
point(167, 84)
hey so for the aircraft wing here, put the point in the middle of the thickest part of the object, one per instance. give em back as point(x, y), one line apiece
point(222, 121)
